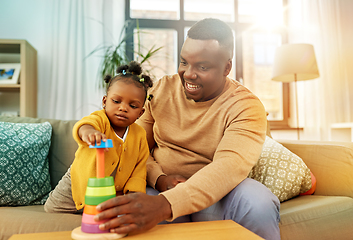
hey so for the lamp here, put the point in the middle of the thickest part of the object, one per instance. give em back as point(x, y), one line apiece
point(292, 63)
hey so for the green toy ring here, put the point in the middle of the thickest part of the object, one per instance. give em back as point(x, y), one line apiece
point(100, 182)
point(89, 200)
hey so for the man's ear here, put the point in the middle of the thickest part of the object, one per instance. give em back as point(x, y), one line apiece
point(104, 101)
point(228, 67)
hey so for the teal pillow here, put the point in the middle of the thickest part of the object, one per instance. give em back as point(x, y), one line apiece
point(24, 165)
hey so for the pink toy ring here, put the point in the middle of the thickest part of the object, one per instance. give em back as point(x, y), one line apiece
point(86, 218)
point(92, 228)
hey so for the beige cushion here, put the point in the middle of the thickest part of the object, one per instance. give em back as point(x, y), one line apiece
point(29, 219)
point(283, 172)
point(315, 217)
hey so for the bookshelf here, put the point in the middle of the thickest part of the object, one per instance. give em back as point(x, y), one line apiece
point(19, 98)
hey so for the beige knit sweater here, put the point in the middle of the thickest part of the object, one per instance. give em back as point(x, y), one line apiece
point(214, 144)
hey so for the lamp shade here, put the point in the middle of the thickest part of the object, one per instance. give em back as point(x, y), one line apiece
point(295, 59)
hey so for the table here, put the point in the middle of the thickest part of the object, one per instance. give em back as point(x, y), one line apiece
point(226, 229)
point(342, 132)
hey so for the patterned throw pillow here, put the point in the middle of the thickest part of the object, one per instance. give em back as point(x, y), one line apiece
point(24, 166)
point(283, 172)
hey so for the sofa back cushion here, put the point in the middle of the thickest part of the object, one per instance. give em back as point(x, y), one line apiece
point(63, 146)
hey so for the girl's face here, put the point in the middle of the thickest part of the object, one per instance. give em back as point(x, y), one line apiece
point(123, 104)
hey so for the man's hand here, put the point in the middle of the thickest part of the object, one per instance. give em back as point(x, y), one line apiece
point(139, 211)
point(90, 135)
point(167, 182)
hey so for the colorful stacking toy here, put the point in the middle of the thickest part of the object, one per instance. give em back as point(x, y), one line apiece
point(99, 189)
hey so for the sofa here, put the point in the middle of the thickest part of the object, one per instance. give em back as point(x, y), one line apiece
point(327, 214)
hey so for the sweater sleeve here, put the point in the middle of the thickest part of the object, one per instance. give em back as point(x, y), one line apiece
point(83, 166)
point(236, 154)
point(154, 170)
point(137, 180)
point(95, 119)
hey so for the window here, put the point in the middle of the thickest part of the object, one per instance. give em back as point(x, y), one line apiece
point(221, 9)
point(258, 55)
point(155, 9)
point(165, 61)
point(258, 27)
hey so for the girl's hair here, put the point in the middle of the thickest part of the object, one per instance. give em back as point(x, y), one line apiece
point(130, 73)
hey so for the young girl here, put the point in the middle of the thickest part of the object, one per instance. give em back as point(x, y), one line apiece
point(126, 161)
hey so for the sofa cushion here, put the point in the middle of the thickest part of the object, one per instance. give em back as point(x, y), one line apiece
point(283, 172)
point(24, 167)
point(33, 219)
point(317, 217)
point(63, 146)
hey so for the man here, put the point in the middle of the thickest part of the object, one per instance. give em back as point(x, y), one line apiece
point(205, 132)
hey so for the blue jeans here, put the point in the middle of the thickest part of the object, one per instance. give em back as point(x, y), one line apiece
point(250, 204)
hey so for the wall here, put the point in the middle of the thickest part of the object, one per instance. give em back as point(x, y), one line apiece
point(21, 19)
point(37, 22)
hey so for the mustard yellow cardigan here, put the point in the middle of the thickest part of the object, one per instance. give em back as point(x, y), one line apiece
point(128, 157)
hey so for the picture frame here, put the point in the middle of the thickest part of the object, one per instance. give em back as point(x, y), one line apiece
point(9, 73)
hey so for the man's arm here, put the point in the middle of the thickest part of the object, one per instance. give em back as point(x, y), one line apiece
point(236, 154)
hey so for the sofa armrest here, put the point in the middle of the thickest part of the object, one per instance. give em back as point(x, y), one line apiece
point(330, 162)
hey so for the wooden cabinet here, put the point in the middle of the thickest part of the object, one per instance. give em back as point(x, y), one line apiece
point(22, 97)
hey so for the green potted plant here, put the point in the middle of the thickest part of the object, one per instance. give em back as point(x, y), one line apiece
point(117, 54)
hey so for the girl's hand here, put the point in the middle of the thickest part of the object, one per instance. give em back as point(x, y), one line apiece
point(167, 182)
point(90, 135)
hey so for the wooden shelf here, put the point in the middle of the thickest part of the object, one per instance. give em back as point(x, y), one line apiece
point(22, 97)
point(10, 85)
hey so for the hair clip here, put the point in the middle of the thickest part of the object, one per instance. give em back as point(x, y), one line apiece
point(150, 97)
point(123, 72)
point(142, 79)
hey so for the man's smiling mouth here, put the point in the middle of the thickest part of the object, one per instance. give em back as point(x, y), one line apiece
point(192, 87)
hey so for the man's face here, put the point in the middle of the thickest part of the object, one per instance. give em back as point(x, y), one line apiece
point(204, 66)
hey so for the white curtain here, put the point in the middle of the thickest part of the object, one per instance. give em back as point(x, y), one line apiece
point(77, 28)
point(328, 25)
